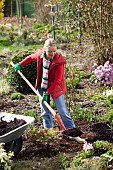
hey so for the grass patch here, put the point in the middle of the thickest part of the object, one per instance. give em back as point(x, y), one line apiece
point(5, 43)
point(14, 48)
point(56, 162)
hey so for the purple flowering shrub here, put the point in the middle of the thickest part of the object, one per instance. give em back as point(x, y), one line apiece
point(104, 73)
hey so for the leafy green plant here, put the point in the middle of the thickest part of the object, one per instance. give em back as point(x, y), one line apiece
point(108, 155)
point(87, 154)
point(37, 25)
point(73, 76)
point(5, 42)
point(98, 97)
point(108, 104)
point(52, 104)
point(68, 82)
point(92, 163)
point(110, 98)
point(80, 156)
point(93, 78)
point(64, 162)
point(102, 145)
point(76, 161)
point(109, 116)
point(82, 113)
point(72, 83)
point(33, 113)
point(82, 74)
point(87, 160)
point(43, 138)
point(29, 113)
point(17, 96)
point(37, 98)
point(5, 158)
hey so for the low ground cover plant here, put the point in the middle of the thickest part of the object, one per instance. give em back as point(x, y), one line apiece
point(5, 158)
point(17, 96)
point(87, 159)
point(43, 138)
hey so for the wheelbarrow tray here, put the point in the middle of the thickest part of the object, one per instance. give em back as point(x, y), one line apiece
point(16, 133)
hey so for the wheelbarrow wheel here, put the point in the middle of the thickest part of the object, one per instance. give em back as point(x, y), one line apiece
point(14, 146)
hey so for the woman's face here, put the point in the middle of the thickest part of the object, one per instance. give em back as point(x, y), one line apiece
point(50, 51)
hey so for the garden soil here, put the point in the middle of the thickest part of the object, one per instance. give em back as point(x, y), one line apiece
point(33, 158)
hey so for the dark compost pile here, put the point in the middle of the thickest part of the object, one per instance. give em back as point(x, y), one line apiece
point(6, 127)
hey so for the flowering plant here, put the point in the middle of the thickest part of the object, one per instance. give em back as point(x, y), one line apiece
point(43, 138)
point(108, 92)
point(104, 73)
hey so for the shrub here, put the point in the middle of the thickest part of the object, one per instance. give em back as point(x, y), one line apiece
point(29, 71)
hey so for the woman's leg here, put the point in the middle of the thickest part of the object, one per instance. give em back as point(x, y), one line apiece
point(45, 113)
point(65, 116)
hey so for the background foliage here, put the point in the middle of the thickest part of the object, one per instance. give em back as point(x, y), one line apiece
point(98, 23)
point(1, 8)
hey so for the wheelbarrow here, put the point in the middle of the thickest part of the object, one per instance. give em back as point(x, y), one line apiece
point(13, 139)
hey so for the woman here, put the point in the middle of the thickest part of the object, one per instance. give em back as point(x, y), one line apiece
point(50, 81)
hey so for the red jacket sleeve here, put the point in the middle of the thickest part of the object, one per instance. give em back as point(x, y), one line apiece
point(28, 59)
point(31, 57)
point(58, 78)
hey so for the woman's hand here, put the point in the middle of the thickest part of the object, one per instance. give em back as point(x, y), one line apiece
point(17, 67)
point(45, 97)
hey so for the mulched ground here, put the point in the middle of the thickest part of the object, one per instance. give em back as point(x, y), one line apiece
point(29, 101)
point(99, 131)
point(67, 145)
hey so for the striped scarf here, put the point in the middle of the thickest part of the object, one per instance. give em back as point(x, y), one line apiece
point(46, 64)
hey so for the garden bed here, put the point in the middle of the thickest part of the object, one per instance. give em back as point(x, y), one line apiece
point(46, 157)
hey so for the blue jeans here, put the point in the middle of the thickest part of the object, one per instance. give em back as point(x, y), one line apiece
point(61, 107)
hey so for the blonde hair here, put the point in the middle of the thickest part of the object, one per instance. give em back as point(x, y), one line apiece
point(49, 42)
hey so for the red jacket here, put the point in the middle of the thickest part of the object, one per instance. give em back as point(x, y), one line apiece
point(56, 82)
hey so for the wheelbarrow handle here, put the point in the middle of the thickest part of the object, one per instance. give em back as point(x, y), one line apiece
point(40, 99)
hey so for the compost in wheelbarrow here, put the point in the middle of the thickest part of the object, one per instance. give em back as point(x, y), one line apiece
point(13, 136)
